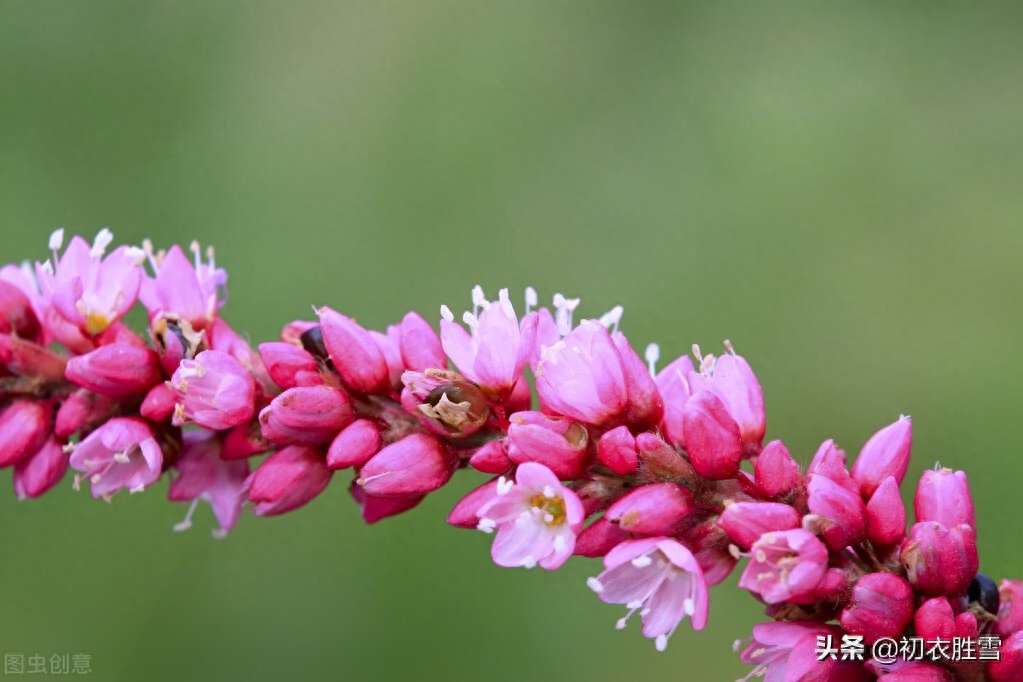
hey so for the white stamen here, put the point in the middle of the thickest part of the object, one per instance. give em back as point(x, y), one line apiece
point(136, 254)
point(47, 267)
point(548, 492)
point(101, 242)
point(548, 518)
point(611, 318)
point(595, 585)
point(137, 489)
point(479, 300)
point(486, 525)
point(642, 561)
point(186, 523)
point(531, 299)
point(529, 562)
point(563, 317)
point(471, 321)
point(445, 312)
point(633, 605)
point(77, 483)
point(121, 458)
point(219, 533)
point(506, 305)
point(728, 347)
point(56, 239)
point(661, 643)
point(196, 254)
point(689, 606)
point(559, 543)
point(620, 623)
point(504, 485)
point(653, 354)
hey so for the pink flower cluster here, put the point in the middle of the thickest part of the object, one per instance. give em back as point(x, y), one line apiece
point(664, 475)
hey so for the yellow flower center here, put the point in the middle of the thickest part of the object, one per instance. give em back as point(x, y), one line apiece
point(552, 508)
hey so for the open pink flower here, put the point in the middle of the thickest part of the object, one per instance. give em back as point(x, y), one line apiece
point(784, 652)
point(191, 291)
point(785, 565)
point(203, 475)
point(536, 517)
point(661, 579)
point(214, 390)
point(123, 453)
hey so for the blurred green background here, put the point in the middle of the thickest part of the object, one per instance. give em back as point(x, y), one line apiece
point(833, 186)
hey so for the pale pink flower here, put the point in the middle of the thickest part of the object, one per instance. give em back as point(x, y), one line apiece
point(497, 346)
point(203, 475)
point(660, 578)
point(786, 652)
point(214, 390)
point(191, 291)
point(123, 453)
point(537, 519)
point(87, 289)
point(785, 565)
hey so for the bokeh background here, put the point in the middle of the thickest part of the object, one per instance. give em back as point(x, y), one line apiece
point(833, 186)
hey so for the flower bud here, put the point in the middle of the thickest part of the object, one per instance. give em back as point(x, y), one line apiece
point(885, 454)
point(159, 403)
point(599, 538)
point(617, 451)
point(375, 509)
point(415, 465)
point(829, 461)
point(244, 441)
point(81, 411)
point(29, 359)
point(16, 313)
point(558, 443)
point(491, 458)
point(645, 407)
point(287, 480)
point(464, 514)
point(775, 473)
point(1010, 608)
point(419, 344)
point(734, 382)
point(940, 560)
point(746, 522)
point(712, 437)
point(673, 386)
point(1009, 666)
point(841, 514)
point(41, 470)
point(356, 357)
point(881, 606)
point(290, 366)
point(307, 415)
point(118, 370)
point(944, 496)
point(354, 446)
point(935, 618)
point(886, 515)
point(654, 509)
point(24, 427)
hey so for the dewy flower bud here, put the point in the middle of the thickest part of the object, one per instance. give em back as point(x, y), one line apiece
point(287, 480)
point(214, 390)
point(307, 415)
point(354, 446)
point(841, 514)
point(886, 515)
point(940, 560)
point(655, 509)
point(1010, 609)
point(290, 366)
point(355, 354)
point(617, 451)
point(944, 496)
point(746, 522)
point(775, 473)
point(415, 465)
point(41, 470)
point(885, 454)
point(712, 437)
point(118, 370)
point(557, 443)
point(24, 426)
point(881, 606)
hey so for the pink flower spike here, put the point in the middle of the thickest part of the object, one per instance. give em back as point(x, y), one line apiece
point(118, 370)
point(712, 437)
point(944, 496)
point(581, 376)
point(214, 390)
point(41, 470)
point(354, 446)
point(886, 515)
point(673, 385)
point(786, 652)
point(419, 344)
point(559, 444)
point(415, 465)
point(660, 578)
point(885, 454)
point(732, 380)
point(88, 290)
point(122, 453)
point(288, 479)
point(24, 427)
point(355, 354)
point(785, 565)
point(203, 475)
point(746, 522)
point(306, 415)
point(190, 291)
point(536, 518)
point(617, 451)
point(375, 509)
point(775, 473)
point(653, 509)
point(881, 606)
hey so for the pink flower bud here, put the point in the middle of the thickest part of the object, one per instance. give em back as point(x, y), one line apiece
point(491, 458)
point(419, 344)
point(355, 354)
point(673, 386)
point(885, 454)
point(16, 313)
point(645, 407)
point(41, 470)
point(119, 370)
point(654, 509)
point(712, 437)
point(659, 461)
point(24, 427)
point(122, 453)
point(746, 522)
point(375, 509)
point(354, 446)
point(82, 411)
point(290, 366)
point(935, 618)
point(840, 514)
point(415, 465)
point(785, 566)
point(287, 480)
point(1009, 666)
point(29, 359)
point(1010, 609)
point(599, 538)
point(214, 390)
point(940, 560)
point(557, 443)
point(244, 441)
point(581, 376)
point(944, 496)
point(387, 344)
point(307, 415)
point(881, 606)
point(732, 380)
point(464, 514)
point(775, 473)
point(159, 403)
point(829, 461)
point(886, 515)
point(617, 451)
